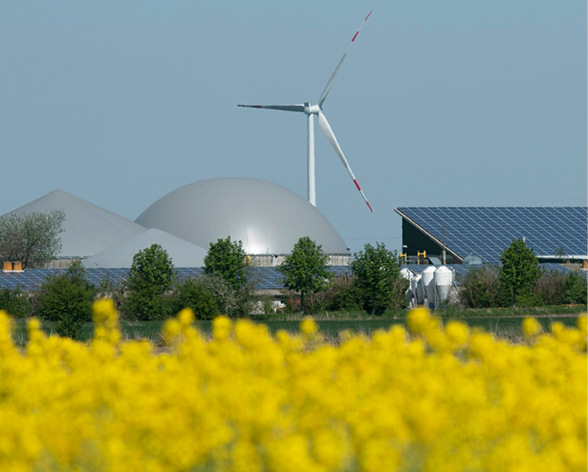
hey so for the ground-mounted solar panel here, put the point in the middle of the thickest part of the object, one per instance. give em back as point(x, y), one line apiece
point(262, 278)
point(486, 231)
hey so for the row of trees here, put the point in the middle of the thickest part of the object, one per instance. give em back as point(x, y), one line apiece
point(151, 291)
point(34, 239)
point(226, 287)
point(376, 284)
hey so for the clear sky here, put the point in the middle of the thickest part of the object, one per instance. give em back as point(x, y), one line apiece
point(439, 103)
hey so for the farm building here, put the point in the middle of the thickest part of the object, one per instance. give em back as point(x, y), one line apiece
point(482, 233)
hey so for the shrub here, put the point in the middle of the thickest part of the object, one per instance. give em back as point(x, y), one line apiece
point(147, 306)
point(267, 305)
point(480, 288)
point(342, 295)
point(15, 302)
point(193, 294)
point(346, 298)
point(67, 299)
point(232, 302)
point(113, 290)
point(575, 288)
point(550, 288)
point(398, 293)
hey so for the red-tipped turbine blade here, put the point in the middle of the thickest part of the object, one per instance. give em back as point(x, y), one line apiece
point(328, 132)
point(330, 82)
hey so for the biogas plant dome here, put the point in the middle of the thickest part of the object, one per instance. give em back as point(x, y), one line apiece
point(266, 217)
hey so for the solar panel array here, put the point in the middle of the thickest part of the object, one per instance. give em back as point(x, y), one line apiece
point(263, 278)
point(487, 231)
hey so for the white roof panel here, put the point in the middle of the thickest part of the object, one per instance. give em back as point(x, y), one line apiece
point(88, 229)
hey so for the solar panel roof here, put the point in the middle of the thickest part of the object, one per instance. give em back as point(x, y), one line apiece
point(487, 231)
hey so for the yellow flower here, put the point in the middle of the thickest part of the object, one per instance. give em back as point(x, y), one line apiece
point(458, 334)
point(257, 401)
point(583, 324)
point(418, 320)
point(171, 329)
point(531, 328)
point(221, 328)
point(308, 326)
point(103, 310)
point(186, 316)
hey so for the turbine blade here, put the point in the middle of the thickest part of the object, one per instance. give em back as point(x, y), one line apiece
point(328, 132)
point(277, 107)
point(330, 82)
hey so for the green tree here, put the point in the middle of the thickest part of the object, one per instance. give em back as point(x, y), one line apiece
point(15, 302)
point(377, 275)
point(227, 259)
point(31, 238)
point(519, 270)
point(304, 269)
point(67, 299)
point(150, 277)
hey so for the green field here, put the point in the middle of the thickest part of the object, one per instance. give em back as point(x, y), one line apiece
point(507, 326)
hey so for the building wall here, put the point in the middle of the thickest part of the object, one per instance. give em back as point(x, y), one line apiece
point(269, 260)
point(416, 241)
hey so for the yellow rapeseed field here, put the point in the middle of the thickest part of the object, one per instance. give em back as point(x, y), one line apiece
point(432, 398)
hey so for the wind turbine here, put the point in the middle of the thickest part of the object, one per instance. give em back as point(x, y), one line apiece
point(311, 111)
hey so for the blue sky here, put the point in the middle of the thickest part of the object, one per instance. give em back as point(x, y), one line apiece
point(455, 103)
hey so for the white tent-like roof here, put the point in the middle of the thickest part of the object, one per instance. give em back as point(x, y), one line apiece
point(181, 252)
point(266, 217)
point(88, 229)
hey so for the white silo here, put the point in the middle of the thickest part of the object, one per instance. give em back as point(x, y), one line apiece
point(411, 296)
point(443, 281)
point(427, 279)
point(419, 289)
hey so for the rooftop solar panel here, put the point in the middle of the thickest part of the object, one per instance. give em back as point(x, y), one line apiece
point(486, 231)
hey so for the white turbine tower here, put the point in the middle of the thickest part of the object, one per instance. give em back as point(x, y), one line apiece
point(312, 110)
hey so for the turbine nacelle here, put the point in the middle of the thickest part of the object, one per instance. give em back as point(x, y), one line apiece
point(311, 109)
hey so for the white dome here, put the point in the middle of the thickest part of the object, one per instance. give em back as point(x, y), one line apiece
point(267, 218)
point(182, 253)
point(87, 229)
